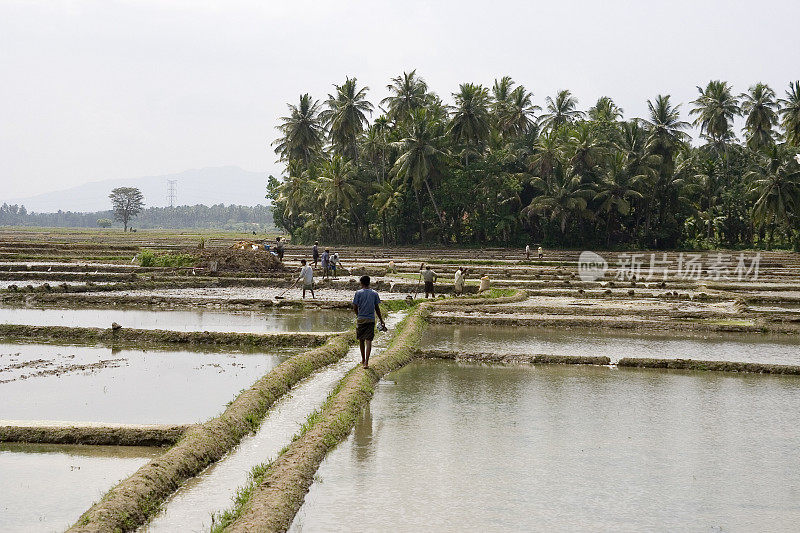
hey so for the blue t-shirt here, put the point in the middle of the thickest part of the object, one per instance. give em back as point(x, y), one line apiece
point(366, 300)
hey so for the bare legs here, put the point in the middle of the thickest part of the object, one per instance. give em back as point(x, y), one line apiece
point(366, 349)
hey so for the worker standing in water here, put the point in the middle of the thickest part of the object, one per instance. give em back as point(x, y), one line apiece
point(527, 251)
point(326, 258)
point(279, 248)
point(315, 253)
point(541, 253)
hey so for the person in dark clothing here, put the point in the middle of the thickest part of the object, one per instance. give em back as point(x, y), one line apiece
point(366, 304)
point(279, 248)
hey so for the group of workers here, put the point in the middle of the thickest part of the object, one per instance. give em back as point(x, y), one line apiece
point(330, 263)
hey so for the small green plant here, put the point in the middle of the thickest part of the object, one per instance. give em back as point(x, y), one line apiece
point(148, 258)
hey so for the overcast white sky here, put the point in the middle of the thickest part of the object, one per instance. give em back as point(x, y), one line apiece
point(115, 89)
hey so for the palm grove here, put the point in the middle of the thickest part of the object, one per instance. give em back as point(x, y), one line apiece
point(495, 168)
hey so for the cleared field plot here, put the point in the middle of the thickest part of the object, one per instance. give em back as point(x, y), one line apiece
point(462, 447)
point(45, 488)
point(97, 384)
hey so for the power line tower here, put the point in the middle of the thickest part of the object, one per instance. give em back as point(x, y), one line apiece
point(172, 192)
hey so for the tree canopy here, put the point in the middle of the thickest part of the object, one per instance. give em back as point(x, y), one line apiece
point(493, 168)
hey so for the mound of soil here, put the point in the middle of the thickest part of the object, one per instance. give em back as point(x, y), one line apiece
point(232, 260)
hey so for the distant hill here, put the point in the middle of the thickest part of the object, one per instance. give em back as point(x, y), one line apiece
point(208, 186)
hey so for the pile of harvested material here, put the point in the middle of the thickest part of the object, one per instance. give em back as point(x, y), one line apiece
point(232, 260)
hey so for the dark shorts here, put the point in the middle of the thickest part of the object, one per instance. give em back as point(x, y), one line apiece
point(365, 331)
point(429, 286)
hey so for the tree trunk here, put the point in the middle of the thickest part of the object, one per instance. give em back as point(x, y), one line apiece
point(419, 210)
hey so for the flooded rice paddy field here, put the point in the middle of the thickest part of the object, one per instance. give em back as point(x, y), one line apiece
point(450, 446)
point(45, 488)
point(191, 507)
point(129, 386)
point(739, 347)
point(21, 284)
point(262, 321)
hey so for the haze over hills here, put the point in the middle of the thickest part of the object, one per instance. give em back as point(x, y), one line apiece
point(209, 186)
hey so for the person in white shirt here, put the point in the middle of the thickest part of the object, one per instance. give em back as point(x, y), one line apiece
point(307, 276)
point(527, 251)
point(458, 282)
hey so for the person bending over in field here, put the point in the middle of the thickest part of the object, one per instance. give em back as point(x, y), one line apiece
point(366, 304)
point(307, 277)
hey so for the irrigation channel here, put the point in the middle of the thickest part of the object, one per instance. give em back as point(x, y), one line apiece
point(192, 506)
point(522, 409)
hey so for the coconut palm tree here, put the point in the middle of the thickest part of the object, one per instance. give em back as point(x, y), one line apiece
point(617, 189)
point(790, 114)
point(715, 109)
point(409, 92)
point(303, 135)
point(776, 187)
point(516, 116)
point(760, 108)
point(386, 200)
point(346, 116)
point(605, 110)
point(561, 110)
point(337, 188)
point(420, 153)
point(561, 200)
point(665, 127)
point(470, 123)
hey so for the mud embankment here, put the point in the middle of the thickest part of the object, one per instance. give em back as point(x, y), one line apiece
point(93, 434)
point(159, 337)
point(495, 358)
point(719, 366)
point(135, 499)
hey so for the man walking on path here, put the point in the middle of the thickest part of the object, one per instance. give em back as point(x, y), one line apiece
point(458, 282)
point(527, 251)
point(307, 276)
point(429, 276)
point(326, 258)
point(315, 253)
point(366, 304)
point(541, 253)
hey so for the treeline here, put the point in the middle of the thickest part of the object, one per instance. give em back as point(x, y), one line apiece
point(222, 217)
point(496, 169)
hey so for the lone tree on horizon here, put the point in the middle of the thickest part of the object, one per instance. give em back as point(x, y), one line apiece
point(127, 203)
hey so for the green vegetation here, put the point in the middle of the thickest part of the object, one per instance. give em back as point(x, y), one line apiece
point(149, 258)
point(496, 169)
point(220, 217)
point(127, 202)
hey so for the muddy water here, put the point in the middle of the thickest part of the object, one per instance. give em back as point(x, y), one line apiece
point(264, 293)
point(268, 321)
point(39, 282)
point(47, 487)
point(452, 447)
point(191, 507)
point(578, 341)
point(98, 384)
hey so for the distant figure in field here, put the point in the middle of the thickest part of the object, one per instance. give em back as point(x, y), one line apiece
point(326, 265)
point(307, 276)
point(279, 248)
point(458, 282)
point(392, 269)
point(540, 252)
point(335, 264)
point(429, 276)
point(485, 284)
point(315, 253)
point(527, 251)
point(366, 304)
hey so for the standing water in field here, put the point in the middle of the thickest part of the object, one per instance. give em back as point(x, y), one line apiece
point(266, 321)
point(47, 487)
point(449, 446)
point(191, 507)
point(740, 347)
point(99, 384)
